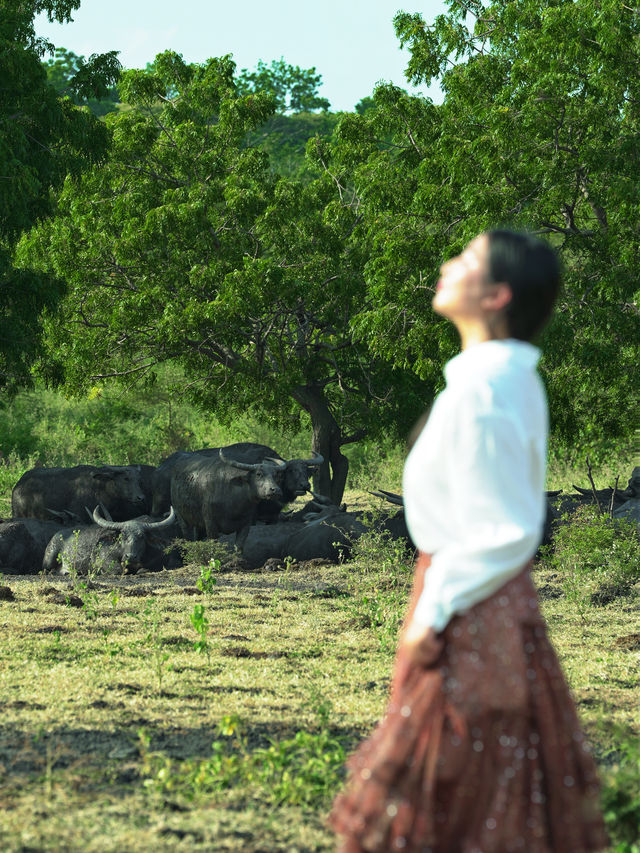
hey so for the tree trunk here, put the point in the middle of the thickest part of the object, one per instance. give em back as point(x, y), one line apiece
point(327, 440)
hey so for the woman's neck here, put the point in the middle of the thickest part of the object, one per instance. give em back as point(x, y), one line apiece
point(473, 333)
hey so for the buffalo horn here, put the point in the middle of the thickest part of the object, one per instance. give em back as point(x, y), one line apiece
point(111, 525)
point(158, 525)
point(389, 496)
point(322, 499)
point(589, 492)
point(316, 460)
point(279, 463)
point(244, 466)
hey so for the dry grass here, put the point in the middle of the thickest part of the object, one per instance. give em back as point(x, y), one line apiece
point(89, 698)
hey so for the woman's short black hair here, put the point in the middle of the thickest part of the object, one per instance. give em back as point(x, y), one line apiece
point(530, 267)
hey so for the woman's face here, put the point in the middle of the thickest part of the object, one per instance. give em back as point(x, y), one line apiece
point(463, 282)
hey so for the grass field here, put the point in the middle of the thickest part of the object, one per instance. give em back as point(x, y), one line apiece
point(212, 711)
point(188, 711)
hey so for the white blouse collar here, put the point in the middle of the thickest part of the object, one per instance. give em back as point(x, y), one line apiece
point(490, 355)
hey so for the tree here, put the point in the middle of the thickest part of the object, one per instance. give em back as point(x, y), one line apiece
point(284, 139)
point(185, 247)
point(69, 74)
point(300, 114)
point(538, 129)
point(41, 139)
point(294, 89)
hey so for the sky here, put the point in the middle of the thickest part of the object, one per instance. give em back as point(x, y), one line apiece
point(351, 43)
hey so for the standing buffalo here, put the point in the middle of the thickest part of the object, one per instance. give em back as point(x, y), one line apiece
point(161, 480)
point(120, 489)
point(294, 482)
point(217, 494)
point(111, 546)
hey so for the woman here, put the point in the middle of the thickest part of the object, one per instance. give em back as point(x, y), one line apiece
point(480, 750)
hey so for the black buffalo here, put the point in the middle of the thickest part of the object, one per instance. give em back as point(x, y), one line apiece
point(329, 536)
point(112, 546)
point(293, 482)
point(215, 494)
point(22, 544)
point(123, 490)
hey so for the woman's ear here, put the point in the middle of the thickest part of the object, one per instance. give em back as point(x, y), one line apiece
point(497, 297)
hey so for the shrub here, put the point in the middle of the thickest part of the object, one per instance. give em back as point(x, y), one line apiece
point(621, 797)
point(596, 557)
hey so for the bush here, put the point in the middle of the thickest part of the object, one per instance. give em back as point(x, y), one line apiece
point(382, 574)
point(621, 797)
point(596, 557)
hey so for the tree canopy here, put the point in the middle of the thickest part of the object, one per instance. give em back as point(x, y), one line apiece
point(289, 292)
point(185, 247)
point(293, 89)
point(84, 81)
point(42, 139)
point(538, 130)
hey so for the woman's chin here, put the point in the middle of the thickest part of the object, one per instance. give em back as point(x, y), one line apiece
point(439, 306)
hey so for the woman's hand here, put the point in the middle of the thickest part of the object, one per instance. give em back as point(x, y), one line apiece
point(421, 645)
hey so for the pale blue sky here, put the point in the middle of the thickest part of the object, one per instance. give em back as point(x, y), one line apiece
point(350, 42)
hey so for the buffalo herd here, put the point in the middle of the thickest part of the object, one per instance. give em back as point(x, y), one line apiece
point(121, 519)
point(105, 519)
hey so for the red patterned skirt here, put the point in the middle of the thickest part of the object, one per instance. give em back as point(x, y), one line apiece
point(481, 752)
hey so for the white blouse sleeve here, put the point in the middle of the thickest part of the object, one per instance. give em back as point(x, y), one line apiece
point(497, 515)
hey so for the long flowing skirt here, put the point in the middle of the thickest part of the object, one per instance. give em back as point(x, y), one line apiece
point(481, 752)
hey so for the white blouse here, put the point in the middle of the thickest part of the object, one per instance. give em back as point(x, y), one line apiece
point(474, 480)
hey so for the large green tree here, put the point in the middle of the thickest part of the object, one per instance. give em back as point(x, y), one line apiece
point(185, 247)
point(41, 139)
point(538, 129)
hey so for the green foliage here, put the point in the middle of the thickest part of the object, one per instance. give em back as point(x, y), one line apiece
point(292, 88)
point(86, 82)
point(596, 558)
point(538, 130)
point(621, 795)
point(109, 425)
point(151, 618)
point(200, 624)
point(204, 552)
point(185, 248)
point(43, 138)
point(302, 770)
point(305, 769)
point(207, 580)
point(379, 602)
point(284, 138)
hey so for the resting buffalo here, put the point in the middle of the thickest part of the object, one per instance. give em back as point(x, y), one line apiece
point(120, 489)
point(329, 538)
point(112, 546)
point(216, 494)
point(22, 544)
point(294, 481)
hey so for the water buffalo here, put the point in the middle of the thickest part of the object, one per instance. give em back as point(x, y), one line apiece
point(294, 481)
point(161, 479)
point(22, 544)
point(120, 489)
point(217, 494)
point(112, 546)
point(329, 535)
